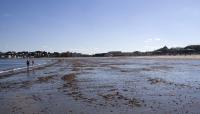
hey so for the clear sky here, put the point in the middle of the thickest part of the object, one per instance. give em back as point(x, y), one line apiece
point(91, 26)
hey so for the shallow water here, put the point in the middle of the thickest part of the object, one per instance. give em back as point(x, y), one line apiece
point(105, 85)
point(7, 64)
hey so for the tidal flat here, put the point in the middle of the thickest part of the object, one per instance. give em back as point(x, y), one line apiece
point(120, 85)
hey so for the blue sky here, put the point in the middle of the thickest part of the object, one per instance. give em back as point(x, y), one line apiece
point(92, 26)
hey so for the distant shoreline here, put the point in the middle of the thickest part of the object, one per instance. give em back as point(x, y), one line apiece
point(139, 57)
point(171, 57)
point(164, 51)
point(192, 57)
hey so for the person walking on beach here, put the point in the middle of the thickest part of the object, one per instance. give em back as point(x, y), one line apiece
point(33, 62)
point(27, 63)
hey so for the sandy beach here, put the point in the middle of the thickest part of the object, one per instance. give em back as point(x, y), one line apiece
point(119, 85)
point(172, 57)
point(181, 57)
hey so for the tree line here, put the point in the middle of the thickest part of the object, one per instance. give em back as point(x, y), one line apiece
point(39, 54)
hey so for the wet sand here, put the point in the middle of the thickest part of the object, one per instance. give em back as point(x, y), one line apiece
point(194, 57)
point(121, 85)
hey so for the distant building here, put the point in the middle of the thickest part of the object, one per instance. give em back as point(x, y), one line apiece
point(115, 53)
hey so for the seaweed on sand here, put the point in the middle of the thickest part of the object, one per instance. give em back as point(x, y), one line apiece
point(69, 77)
point(156, 80)
point(133, 102)
point(45, 79)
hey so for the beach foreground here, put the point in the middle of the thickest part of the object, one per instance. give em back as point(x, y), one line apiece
point(105, 86)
